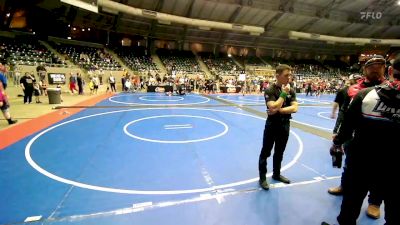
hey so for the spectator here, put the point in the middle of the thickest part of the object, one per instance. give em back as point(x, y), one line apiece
point(4, 103)
point(26, 83)
point(372, 125)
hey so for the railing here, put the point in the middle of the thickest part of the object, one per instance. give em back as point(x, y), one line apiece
point(45, 64)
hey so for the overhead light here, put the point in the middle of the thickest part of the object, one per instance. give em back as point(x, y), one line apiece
point(73, 28)
point(88, 29)
point(111, 11)
point(149, 13)
point(237, 27)
point(83, 29)
point(82, 5)
point(204, 28)
point(33, 32)
point(69, 38)
point(69, 25)
point(229, 55)
point(164, 22)
point(8, 14)
point(398, 2)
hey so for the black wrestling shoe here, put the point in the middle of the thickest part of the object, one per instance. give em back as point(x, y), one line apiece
point(11, 121)
point(281, 179)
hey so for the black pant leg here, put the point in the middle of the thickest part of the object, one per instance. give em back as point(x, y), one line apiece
point(280, 146)
point(355, 188)
point(391, 198)
point(268, 143)
point(30, 93)
point(113, 87)
point(344, 173)
point(375, 195)
point(25, 96)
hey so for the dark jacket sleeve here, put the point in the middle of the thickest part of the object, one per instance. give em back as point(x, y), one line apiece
point(351, 119)
point(269, 95)
point(293, 94)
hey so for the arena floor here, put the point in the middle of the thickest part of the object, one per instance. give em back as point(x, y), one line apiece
point(156, 159)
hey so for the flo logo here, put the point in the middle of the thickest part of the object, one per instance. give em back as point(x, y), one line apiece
point(371, 15)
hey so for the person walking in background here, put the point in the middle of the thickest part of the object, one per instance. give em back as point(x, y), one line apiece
point(72, 83)
point(96, 84)
point(79, 80)
point(111, 80)
point(26, 83)
point(4, 103)
point(36, 92)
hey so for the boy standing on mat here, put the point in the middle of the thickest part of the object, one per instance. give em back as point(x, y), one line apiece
point(281, 103)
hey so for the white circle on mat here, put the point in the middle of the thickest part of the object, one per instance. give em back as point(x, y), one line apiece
point(246, 98)
point(145, 98)
point(246, 101)
point(320, 114)
point(111, 99)
point(148, 192)
point(176, 142)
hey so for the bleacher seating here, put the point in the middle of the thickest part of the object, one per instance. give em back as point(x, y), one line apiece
point(309, 68)
point(136, 59)
point(223, 66)
point(253, 61)
point(89, 58)
point(27, 52)
point(179, 61)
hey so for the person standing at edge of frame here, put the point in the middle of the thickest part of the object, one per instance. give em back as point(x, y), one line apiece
point(372, 126)
point(281, 103)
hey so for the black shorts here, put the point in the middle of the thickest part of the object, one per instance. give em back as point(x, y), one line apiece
point(36, 92)
point(5, 106)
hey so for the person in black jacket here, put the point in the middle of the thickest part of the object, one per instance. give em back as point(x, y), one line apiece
point(342, 101)
point(27, 86)
point(372, 127)
point(281, 103)
point(374, 71)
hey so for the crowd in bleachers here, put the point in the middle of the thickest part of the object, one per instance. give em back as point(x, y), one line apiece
point(223, 66)
point(253, 61)
point(27, 52)
point(88, 58)
point(179, 62)
point(137, 59)
point(311, 67)
point(318, 85)
point(309, 74)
